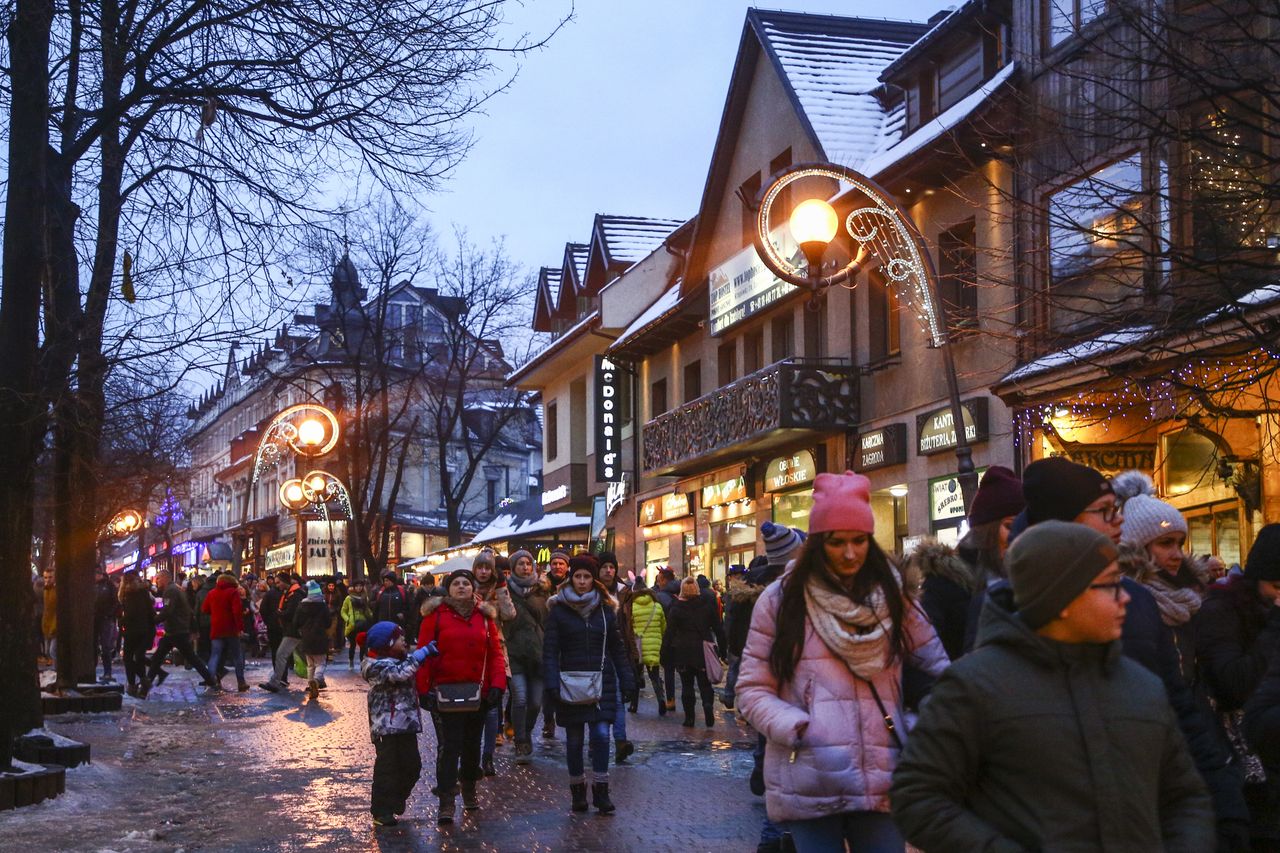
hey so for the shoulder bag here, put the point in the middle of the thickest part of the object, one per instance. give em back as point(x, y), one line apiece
point(585, 687)
point(462, 695)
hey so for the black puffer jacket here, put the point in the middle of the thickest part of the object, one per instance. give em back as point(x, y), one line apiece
point(1239, 635)
point(949, 587)
point(1029, 744)
point(139, 620)
point(571, 643)
point(689, 622)
point(311, 624)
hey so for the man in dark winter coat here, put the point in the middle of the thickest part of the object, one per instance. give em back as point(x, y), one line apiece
point(391, 604)
point(1046, 737)
point(293, 596)
point(1059, 489)
point(269, 609)
point(178, 621)
point(106, 614)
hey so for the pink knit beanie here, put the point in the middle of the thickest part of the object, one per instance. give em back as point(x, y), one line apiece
point(841, 502)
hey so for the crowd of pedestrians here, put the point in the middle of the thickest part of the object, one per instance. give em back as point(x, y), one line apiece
point(1067, 676)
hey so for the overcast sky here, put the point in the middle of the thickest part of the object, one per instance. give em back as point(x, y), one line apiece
point(616, 115)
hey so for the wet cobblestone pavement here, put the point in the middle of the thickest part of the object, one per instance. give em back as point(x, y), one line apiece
point(184, 771)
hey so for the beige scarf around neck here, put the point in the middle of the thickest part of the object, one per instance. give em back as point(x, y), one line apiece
point(857, 633)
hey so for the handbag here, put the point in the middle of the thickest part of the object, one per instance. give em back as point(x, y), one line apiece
point(711, 658)
point(585, 687)
point(462, 696)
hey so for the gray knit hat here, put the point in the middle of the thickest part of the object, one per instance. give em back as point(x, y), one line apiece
point(1146, 517)
point(517, 554)
point(1052, 563)
point(780, 542)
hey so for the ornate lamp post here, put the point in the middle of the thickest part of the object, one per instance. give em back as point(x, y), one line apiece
point(881, 229)
point(125, 523)
point(317, 489)
point(305, 429)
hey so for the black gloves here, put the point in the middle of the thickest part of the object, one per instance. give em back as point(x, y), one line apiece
point(493, 698)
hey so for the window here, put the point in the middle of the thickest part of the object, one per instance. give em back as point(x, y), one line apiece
point(657, 398)
point(1233, 206)
point(815, 328)
point(958, 274)
point(781, 209)
point(747, 193)
point(1094, 223)
point(553, 431)
point(1066, 17)
point(491, 495)
point(884, 315)
point(692, 381)
point(727, 362)
point(784, 336)
point(753, 351)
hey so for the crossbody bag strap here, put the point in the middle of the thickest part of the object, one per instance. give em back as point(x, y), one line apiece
point(888, 718)
point(604, 638)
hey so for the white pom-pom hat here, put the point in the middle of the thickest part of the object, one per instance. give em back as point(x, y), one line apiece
point(1146, 517)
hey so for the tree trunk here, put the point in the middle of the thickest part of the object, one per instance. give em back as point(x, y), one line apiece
point(22, 415)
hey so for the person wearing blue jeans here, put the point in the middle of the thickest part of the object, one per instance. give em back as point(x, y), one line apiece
point(526, 694)
point(624, 748)
point(490, 740)
point(229, 649)
point(578, 734)
point(866, 832)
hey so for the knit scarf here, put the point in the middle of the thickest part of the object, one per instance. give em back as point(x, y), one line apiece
point(463, 607)
point(856, 633)
point(521, 586)
point(1177, 605)
point(485, 590)
point(584, 604)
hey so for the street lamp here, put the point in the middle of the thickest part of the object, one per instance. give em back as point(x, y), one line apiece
point(317, 489)
point(125, 522)
point(881, 229)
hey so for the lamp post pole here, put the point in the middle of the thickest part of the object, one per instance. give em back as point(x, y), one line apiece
point(880, 228)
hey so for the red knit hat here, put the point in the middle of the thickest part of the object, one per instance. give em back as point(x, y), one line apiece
point(841, 502)
point(999, 496)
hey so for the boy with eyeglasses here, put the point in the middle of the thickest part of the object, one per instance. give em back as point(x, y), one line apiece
point(1046, 737)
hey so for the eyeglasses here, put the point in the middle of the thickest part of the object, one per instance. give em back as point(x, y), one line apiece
point(1109, 513)
point(1115, 586)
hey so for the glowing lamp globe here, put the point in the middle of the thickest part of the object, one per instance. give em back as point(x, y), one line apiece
point(316, 482)
point(310, 433)
point(291, 494)
point(814, 221)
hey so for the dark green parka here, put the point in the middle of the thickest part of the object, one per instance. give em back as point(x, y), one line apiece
point(1032, 744)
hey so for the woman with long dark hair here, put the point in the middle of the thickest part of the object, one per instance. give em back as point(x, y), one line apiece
point(821, 677)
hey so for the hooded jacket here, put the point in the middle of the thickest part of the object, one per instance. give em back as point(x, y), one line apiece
point(311, 625)
point(949, 587)
point(393, 701)
point(1135, 563)
point(224, 609)
point(1031, 744)
point(649, 621)
point(470, 648)
point(844, 754)
point(176, 613)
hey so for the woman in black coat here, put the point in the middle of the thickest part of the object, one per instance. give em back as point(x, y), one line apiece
point(581, 635)
point(138, 625)
point(690, 622)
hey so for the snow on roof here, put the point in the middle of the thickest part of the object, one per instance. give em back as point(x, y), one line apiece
point(664, 303)
point(1252, 299)
point(630, 238)
point(553, 344)
point(516, 525)
point(931, 130)
point(833, 66)
point(578, 257)
point(1082, 352)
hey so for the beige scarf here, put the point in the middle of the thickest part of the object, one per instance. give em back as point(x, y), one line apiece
point(857, 633)
point(1177, 604)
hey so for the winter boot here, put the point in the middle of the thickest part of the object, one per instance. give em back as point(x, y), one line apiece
point(579, 792)
point(470, 800)
point(671, 703)
point(242, 687)
point(709, 711)
point(634, 707)
point(600, 798)
point(445, 814)
point(313, 689)
point(624, 750)
point(487, 766)
point(688, 712)
point(524, 752)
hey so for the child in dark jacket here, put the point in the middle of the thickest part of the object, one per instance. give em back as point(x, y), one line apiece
point(393, 717)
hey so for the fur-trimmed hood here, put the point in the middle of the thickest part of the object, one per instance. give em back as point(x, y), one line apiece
point(1136, 563)
point(934, 559)
point(429, 606)
point(740, 591)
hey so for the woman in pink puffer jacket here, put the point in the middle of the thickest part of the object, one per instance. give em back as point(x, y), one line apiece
point(821, 677)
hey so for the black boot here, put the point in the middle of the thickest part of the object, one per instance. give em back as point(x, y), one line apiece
point(709, 711)
point(470, 800)
point(486, 765)
point(600, 798)
point(688, 720)
point(445, 814)
point(688, 712)
point(624, 750)
point(579, 792)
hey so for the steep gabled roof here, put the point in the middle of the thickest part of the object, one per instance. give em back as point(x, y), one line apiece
point(544, 304)
point(573, 273)
point(617, 242)
point(831, 67)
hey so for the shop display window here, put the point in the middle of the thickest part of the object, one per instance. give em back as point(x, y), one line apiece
point(792, 509)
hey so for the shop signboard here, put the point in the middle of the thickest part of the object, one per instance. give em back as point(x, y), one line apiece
point(743, 286)
point(789, 472)
point(608, 427)
point(283, 556)
point(322, 537)
point(880, 448)
point(724, 492)
point(559, 493)
point(936, 432)
point(1110, 459)
point(664, 508)
point(946, 503)
point(615, 495)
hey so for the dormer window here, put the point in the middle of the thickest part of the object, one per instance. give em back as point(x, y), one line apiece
point(922, 99)
point(1065, 18)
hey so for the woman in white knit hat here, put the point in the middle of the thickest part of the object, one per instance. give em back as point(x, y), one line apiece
point(1152, 536)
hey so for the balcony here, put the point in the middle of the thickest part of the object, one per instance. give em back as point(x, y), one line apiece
point(783, 403)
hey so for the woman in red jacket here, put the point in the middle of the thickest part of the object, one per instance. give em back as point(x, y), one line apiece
point(466, 633)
